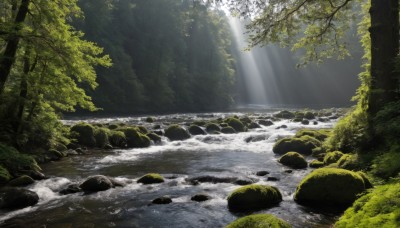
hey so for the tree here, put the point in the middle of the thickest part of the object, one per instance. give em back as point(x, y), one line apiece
point(319, 28)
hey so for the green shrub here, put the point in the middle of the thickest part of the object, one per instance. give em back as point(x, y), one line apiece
point(14, 161)
point(387, 122)
point(259, 221)
point(379, 208)
point(329, 186)
point(4, 176)
point(332, 157)
point(236, 124)
point(253, 197)
point(387, 165)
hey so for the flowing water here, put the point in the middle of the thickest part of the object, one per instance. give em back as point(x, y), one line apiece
point(130, 206)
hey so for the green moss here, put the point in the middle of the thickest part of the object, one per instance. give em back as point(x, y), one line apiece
point(367, 182)
point(316, 164)
point(253, 197)
point(151, 178)
point(135, 139)
point(332, 157)
point(84, 134)
point(379, 208)
point(14, 161)
point(142, 129)
point(294, 160)
point(150, 119)
point(320, 135)
point(386, 165)
point(153, 136)
point(259, 221)
point(302, 145)
point(285, 115)
point(236, 124)
point(175, 132)
point(101, 136)
point(349, 162)
point(228, 130)
point(211, 127)
point(21, 181)
point(117, 139)
point(330, 186)
point(4, 176)
point(309, 115)
point(245, 120)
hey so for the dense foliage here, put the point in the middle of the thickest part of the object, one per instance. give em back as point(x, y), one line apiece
point(168, 55)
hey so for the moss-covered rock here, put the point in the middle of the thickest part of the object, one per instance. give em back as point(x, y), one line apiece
point(236, 124)
point(54, 155)
point(329, 186)
point(266, 122)
point(245, 120)
point(285, 115)
point(200, 197)
point(17, 198)
point(259, 221)
point(293, 160)
point(143, 130)
point(96, 183)
point(4, 176)
point(253, 125)
point(162, 200)
point(135, 139)
point(212, 127)
point(316, 164)
point(101, 136)
point(309, 115)
point(303, 145)
point(175, 132)
point(113, 126)
point(21, 181)
point(349, 162)
point(84, 134)
point(14, 161)
point(151, 178)
point(305, 122)
point(332, 157)
point(320, 135)
point(253, 197)
point(117, 139)
point(153, 136)
point(196, 130)
point(228, 130)
point(379, 208)
point(150, 119)
point(367, 182)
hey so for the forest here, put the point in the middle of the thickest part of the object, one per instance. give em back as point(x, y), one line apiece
point(166, 75)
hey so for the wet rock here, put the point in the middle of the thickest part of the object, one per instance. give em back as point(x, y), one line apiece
point(162, 200)
point(309, 115)
point(316, 164)
point(294, 160)
point(332, 157)
point(228, 130)
point(157, 127)
point(136, 139)
point(288, 171)
point(262, 173)
point(285, 115)
point(253, 197)
point(101, 136)
point(330, 186)
point(151, 178)
point(21, 181)
point(244, 182)
point(108, 147)
point(305, 122)
point(71, 152)
point(17, 198)
point(211, 179)
point(96, 183)
point(150, 119)
point(116, 183)
point(84, 134)
point(71, 189)
point(196, 130)
point(315, 122)
point(200, 197)
point(255, 138)
point(236, 124)
point(160, 133)
point(303, 145)
point(54, 155)
point(175, 132)
point(36, 175)
point(155, 137)
point(253, 125)
point(272, 179)
point(266, 122)
point(212, 127)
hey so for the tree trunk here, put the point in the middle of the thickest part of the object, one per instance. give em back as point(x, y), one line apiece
point(23, 93)
point(8, 58)
point(384, 34)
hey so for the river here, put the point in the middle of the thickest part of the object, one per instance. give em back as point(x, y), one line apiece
point(225, 155)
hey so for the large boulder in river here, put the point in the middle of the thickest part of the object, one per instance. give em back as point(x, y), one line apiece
point(253, 197)
point(101, 136)
point(84, 134)
point(303, 145)
point(228, 130)
point(285, 115)
point(266, 122)
point(212, 127)
point(293, 160)
point(96, 183)
point(151, 178)
point(117, 139)
point(17, 198)
point(236, 124)
point(332, 157)
point(162, 200)
point(330, 186)
point(259, 221)
point(196, 130)
point(21, 181)
point(176, 132)
point(135, 139)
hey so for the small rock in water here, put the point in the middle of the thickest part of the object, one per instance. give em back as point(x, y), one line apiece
point(262, 173)
point(289, 171)
point(244, 182)
point(272, 179)
point(96, 183)
point(71, 189)
point(315, 122)
point(162, 200)
point(200, 197)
